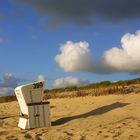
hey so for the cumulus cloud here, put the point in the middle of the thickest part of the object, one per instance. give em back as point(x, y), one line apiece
point(84, 11)
point(69, 81)
point(40, 78)
point(126, 58)
point(8, 83)
point(74, 56)
point(77, 57)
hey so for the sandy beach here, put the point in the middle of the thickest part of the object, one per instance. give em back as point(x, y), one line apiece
point(111, 117)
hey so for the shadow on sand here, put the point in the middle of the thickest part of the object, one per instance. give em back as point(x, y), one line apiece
point(97, 111)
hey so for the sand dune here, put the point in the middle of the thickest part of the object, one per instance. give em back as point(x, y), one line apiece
point(112, 117)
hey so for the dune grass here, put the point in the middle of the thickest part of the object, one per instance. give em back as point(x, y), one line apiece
point(95, 89)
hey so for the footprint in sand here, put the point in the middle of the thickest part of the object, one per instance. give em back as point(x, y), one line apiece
point(105, 136)
point(132, 137)
point(99, 132)
point(68, 133)
point(27, 136)
point(83, 137)
point(37, 137)
point(117, 135)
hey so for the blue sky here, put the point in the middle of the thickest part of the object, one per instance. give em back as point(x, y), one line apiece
point(30, 41)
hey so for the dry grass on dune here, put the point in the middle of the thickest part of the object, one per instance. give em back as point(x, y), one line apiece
point(7, 99)
point(94, 92)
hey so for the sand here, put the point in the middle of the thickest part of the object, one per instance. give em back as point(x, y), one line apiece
point(112, 117)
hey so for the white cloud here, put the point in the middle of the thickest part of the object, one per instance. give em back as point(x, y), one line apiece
point(40, 78)
point(77, 57)
point(69, 81)
point(126, 58)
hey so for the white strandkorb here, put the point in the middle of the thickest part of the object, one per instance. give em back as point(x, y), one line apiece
point(34, 112)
